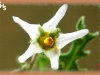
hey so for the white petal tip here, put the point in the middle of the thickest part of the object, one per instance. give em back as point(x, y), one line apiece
point(20, 59)
point(85, 31)
point(65, 6)
point(15, 18)
point(55, 67)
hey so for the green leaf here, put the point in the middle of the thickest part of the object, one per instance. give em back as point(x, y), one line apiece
point(76, 52)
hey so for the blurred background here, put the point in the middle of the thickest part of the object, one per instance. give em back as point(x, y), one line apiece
point(14, 40)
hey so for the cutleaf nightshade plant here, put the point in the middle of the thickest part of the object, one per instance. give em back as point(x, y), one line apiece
point(48, 39)
point(68, 61)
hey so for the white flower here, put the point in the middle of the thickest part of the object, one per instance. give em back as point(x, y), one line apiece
point(48, 38)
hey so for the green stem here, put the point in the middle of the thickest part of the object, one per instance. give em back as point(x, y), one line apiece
point(32, 61)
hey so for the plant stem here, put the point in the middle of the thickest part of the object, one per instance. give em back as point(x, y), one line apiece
point(32, 61)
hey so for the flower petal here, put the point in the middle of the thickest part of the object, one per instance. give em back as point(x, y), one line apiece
point(54, 58)
point(64, 39)
point(53, 22)
point(31, 29)
point(32, 49)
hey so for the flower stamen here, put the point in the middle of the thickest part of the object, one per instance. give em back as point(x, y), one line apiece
point(56, 49)
point(49, 41)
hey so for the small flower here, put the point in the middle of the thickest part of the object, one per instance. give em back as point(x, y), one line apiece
point(47, 38)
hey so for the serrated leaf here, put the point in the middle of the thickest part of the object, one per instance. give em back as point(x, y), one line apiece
point(77, 49)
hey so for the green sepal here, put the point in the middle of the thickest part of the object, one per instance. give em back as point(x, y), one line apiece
point(41, 30)
point(55, 33)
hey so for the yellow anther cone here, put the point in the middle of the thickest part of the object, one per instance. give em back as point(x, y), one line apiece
point(49, 41)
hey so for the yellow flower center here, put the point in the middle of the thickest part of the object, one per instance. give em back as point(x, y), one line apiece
point(48, 41)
